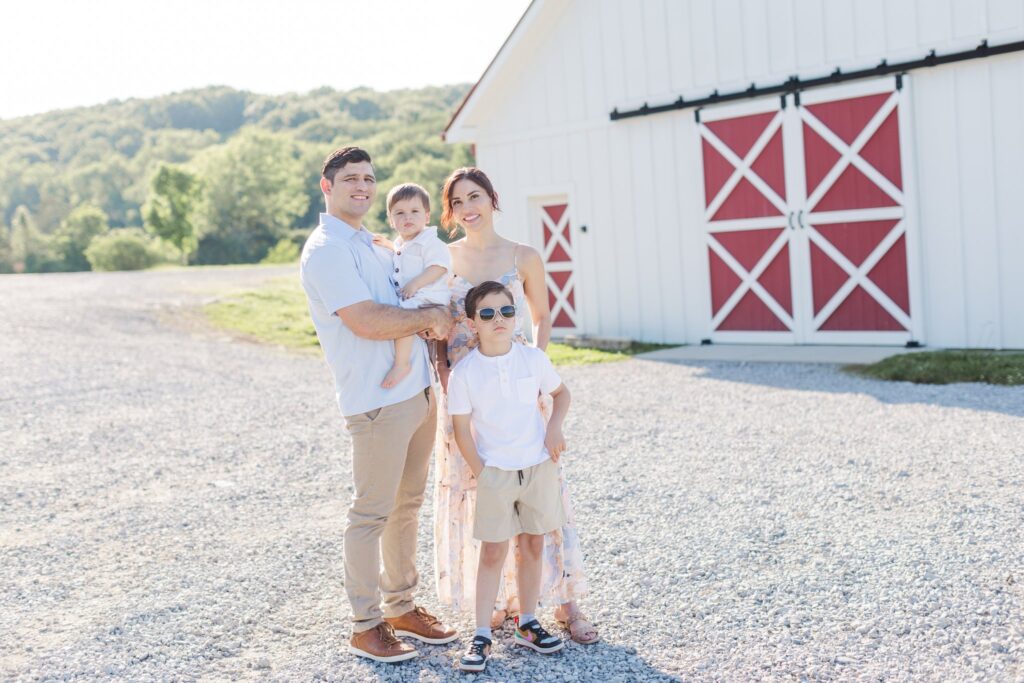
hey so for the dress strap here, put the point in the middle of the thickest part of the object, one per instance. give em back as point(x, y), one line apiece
point(515, 258)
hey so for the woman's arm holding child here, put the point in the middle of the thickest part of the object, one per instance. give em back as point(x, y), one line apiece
point(464, 439)
point(553, 439)
point(429, 276)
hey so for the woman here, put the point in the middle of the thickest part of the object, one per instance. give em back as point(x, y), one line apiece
point(469, 202)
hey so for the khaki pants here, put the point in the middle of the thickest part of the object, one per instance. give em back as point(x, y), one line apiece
point(391, 449)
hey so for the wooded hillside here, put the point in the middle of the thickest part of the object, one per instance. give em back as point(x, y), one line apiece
point(239, 169)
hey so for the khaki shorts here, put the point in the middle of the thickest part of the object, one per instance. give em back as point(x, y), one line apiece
point(513, 502)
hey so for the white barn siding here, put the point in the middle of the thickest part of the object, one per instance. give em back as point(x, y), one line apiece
point(970, 164)
point(543, 128)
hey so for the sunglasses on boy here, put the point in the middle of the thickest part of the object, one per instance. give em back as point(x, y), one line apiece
point(487, 314)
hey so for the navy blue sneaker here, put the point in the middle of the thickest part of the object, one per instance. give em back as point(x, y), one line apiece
point(476, 656)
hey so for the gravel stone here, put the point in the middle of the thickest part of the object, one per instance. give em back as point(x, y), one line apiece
point(172, 502)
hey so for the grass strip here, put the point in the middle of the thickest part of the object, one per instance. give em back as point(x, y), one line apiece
point(948, 367)
point(277, 314)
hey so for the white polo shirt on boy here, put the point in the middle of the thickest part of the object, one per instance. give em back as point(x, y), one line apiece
point(415, 256)
point(501, 394)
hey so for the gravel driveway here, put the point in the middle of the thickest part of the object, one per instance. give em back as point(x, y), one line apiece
point(172, 503)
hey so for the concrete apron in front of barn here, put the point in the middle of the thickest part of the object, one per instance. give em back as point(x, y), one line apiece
point(750, 353)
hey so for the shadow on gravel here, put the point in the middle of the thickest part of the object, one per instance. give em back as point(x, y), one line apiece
point(830, 378)
point(600, 662)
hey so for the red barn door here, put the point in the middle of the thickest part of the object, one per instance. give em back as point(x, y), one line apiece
point(854, 218)
point(746, 211)
point(556, 231)
point(806, 218)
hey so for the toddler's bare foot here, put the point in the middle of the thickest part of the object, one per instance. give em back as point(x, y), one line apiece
point(396, 375)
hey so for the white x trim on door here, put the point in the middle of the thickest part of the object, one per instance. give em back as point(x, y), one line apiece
point(743, 168)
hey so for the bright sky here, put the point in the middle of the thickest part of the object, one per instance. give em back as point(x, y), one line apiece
point(66, 53)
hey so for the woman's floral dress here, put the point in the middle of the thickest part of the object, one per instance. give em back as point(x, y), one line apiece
point(456, 551)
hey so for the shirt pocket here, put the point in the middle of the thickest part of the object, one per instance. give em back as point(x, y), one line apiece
point(528, 390)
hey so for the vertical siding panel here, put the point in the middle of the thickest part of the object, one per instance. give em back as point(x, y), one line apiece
point(655, 44)
point(939, 212)
point(977, 201)
point(933, 17)
point(839, 38)
point(756, 55)
point(535, 92)
point(587, 264)
point(513, 225)
point(605, 232)
point(507, 176)
point(558, 151)
point(624, 229)
point(1007, 113)
point(900, 28)
point(571, 69)
point(667, 219)
point(781, 37)
point(556, 95)
point(702, 39)
point(969, 19)
point(612, 48)
point(677, 23)
point(592, 69)
point(631, 32)
point(810, 30)
point(691, 254)
point(728, 37)
point(870, 29)
point(644, 233)
point(1005, 16)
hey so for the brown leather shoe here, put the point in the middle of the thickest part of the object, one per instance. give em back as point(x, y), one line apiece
point(420, 624)
point(380, 644)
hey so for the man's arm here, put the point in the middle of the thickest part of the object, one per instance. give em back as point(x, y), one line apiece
point(464, 440)
point(371, 320)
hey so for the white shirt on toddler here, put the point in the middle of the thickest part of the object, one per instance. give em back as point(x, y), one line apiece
point(412, 258)
point(501, 394)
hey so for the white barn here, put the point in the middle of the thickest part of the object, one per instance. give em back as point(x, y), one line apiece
point(857, 179)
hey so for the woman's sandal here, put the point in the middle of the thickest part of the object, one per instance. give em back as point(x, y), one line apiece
point(498, 618)
point(578, 634)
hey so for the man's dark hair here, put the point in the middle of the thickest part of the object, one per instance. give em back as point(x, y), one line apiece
point(341, 156)
point(474, 295)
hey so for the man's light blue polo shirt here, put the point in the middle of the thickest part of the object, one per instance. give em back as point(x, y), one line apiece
point(340, 267)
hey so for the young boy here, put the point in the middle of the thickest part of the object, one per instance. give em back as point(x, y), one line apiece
point(420, 262)
point(493, 400)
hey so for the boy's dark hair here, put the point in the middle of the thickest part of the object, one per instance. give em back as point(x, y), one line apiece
point(474, 295)
point(408, 191)
point(341, 156)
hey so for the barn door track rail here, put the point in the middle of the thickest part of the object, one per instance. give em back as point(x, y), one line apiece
point(795, 84)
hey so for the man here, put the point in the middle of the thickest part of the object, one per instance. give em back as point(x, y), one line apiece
point(356, 314)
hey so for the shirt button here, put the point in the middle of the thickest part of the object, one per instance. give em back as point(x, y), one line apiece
point(398, 253)
point(396, 270)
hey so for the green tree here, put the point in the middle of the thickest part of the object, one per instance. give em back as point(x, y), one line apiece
point(30, 249)
point(75, 233)
point(123, 249)
point(252, 195)
point(6, 255)
point(169, 209)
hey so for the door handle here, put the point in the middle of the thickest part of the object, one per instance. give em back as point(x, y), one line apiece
point(789, 220)
point(800, 219)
